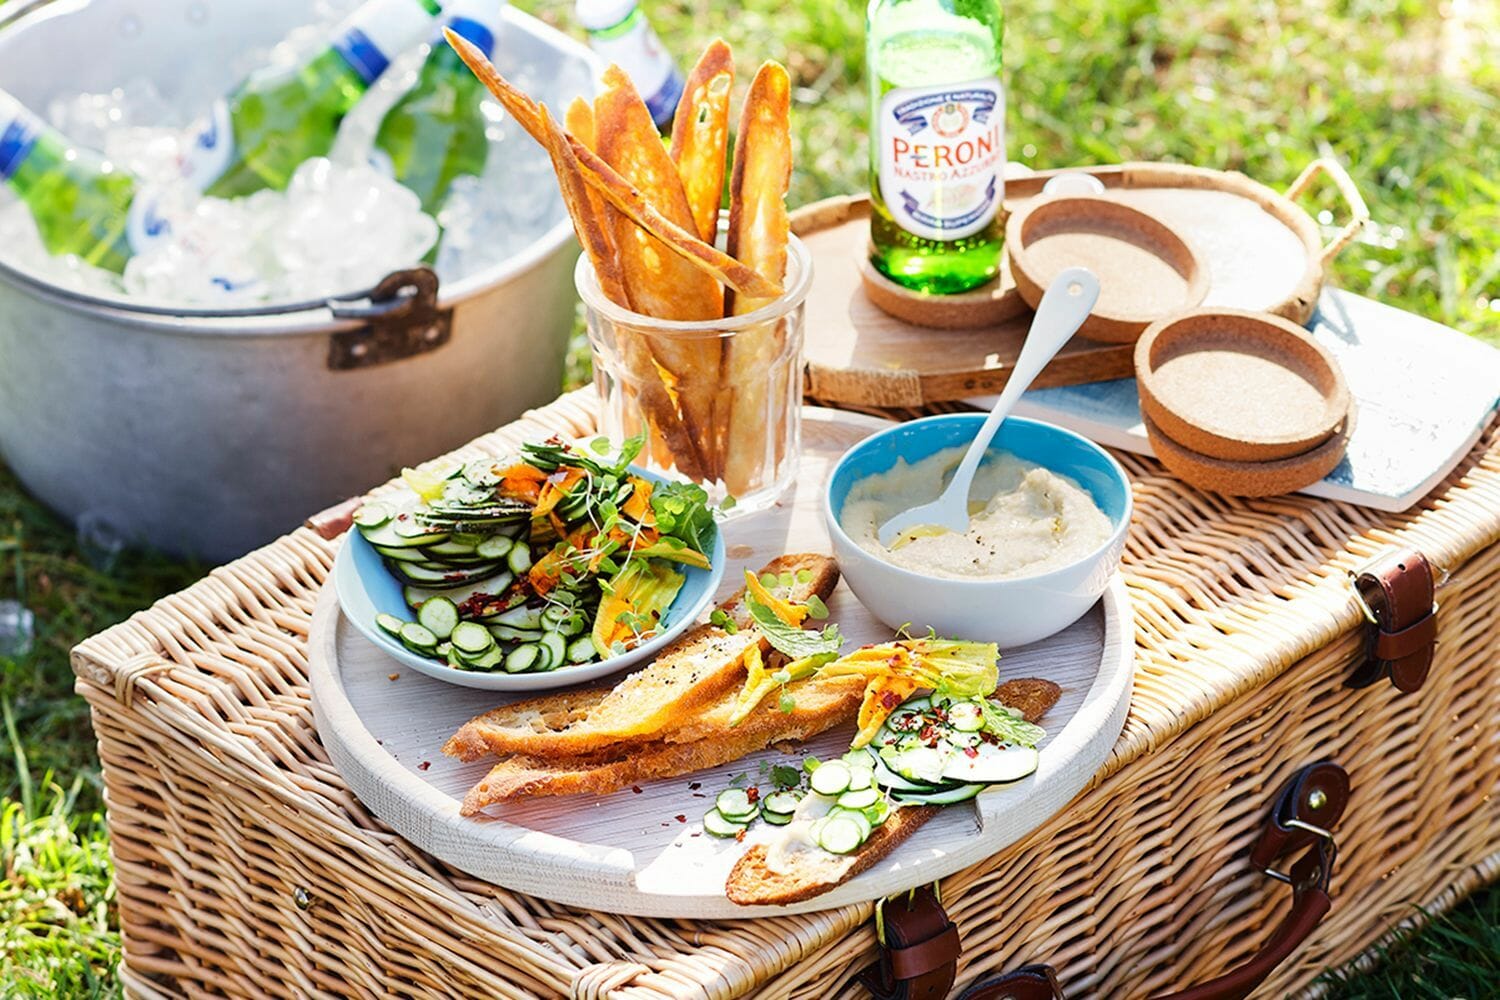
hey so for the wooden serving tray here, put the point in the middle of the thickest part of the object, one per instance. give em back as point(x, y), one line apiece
point(1263, 252)
point(627, 852)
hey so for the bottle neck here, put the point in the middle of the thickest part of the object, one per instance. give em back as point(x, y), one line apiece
point(18, 142)
point(29, 148)
point(378, 32)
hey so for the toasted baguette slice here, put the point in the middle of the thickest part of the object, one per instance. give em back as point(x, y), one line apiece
point(751, 883)
point(691, 673)
point(820, 705)
point(547, 713)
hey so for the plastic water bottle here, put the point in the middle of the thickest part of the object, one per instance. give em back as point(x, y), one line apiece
point(436, 131)
point(937, 142)
point(256, 137)
point(82, 203)
point(620, 33)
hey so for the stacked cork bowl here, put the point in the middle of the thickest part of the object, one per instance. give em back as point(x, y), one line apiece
point(1242, 403)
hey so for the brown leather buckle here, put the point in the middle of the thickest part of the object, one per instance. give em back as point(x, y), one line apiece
point(1396, 595)
point(919, 948)
point(1303, 816)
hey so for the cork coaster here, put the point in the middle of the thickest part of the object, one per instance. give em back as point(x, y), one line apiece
point(1146, 270)
point(1239, 386)
point(1250, 479)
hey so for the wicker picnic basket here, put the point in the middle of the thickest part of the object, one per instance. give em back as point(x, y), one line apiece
point(246, 867)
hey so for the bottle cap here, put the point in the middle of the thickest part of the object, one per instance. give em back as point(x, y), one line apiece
point(601, 15)
point(479, 21)
point(380, 31)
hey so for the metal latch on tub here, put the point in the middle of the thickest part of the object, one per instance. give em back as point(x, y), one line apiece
point(400, 318)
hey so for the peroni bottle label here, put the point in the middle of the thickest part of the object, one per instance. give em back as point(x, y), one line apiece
point(941, 153)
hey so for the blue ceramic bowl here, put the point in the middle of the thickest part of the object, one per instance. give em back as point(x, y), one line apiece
point(1010, 612)
point(366, 588)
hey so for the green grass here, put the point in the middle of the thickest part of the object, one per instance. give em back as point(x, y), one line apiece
point(1407, 101)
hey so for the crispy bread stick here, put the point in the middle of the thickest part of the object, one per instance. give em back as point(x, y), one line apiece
point(758, 232)
point(612, 187)
point(700, 136)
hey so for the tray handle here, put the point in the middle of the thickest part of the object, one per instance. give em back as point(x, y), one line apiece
point(1359, 212)
point(920, 945)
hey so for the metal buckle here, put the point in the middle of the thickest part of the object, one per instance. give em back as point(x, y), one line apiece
point(1359, 598)
point(1328, 850)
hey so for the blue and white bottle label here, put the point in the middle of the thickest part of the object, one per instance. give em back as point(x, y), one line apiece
point(146, 224)
point(212, 149)
point(942, 157)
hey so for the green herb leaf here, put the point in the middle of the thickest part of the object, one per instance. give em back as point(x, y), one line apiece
point(796, 643)
point(682, 512)
point(785, 776)
point(786, 703)
point(1007, 725)
point(723, 621)
point(816, 609)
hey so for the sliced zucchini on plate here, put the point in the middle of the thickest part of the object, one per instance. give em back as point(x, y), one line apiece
point(439, 616)
point(716, 824)
point(492, 586)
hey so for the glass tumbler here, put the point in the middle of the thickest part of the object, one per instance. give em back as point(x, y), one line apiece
point(719, 401)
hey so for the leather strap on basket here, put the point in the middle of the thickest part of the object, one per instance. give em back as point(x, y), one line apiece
point(333, 522)
point(1396, 594)
point(1301, 819)
point(919, 949)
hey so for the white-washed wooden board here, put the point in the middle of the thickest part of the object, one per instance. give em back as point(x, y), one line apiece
point(628, 852)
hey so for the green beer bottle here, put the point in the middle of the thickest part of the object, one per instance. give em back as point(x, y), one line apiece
point(257, 136)
point(937, 142)
point(82, 203)
point(436, 132)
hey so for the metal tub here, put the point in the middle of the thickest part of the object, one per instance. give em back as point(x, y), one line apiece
point(203, 433)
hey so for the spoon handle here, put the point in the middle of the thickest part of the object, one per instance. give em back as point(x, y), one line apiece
point(1061, 312)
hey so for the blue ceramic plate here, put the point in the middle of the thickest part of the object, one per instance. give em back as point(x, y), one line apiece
point(366, 588)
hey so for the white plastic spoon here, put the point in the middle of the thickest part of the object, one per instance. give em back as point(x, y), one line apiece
point(1062, 311)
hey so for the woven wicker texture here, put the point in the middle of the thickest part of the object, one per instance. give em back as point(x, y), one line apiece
point(246, 867)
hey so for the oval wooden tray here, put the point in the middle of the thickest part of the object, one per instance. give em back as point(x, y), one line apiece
point(1264, 254)
point(627, 853)
point(1238, 386)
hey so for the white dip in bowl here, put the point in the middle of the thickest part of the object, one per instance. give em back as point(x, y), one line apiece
point(1024, 519)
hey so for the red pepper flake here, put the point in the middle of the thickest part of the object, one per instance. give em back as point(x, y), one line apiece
point(741, 835)
point(752, 793)
point(971, 752)
point(424, 765)
point(890, 699)
point(680, 817)
point(393, 677)
point(696, 833)
point(695, 785)
point(636, 789)
point(700, 795)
